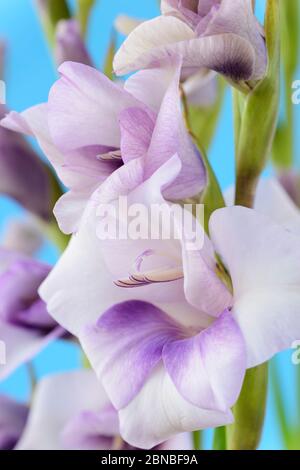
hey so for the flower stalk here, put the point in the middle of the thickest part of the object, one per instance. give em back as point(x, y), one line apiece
point(249, 412)
point(259, 116)
point(283, 148)
point(255, 125)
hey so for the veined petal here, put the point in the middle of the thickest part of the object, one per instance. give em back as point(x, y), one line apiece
point(156, 40)
point(136, 132)
point(237, 17)
point(166, 133)
point(82, 284)
point(126, 344)
point(170, 137)
point(208, 369)
point(148, 36)
point(203, 288)
point(84, 106)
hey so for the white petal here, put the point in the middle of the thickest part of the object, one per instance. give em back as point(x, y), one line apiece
point(158, 413)
point(263, 260)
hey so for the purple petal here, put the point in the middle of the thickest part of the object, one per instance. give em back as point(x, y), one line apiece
point(208, 369)
point(22, 175)
point(19, 300)
point(126, 344)
point(13, 416)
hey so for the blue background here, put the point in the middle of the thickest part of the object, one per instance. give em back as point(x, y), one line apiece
point(29, 75)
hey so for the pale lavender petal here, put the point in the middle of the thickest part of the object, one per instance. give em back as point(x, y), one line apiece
point(208, 369)
point(203, 288)
point(136, 132)
point(154, 41)
point(169, 137)
point(84, 106)
point(126, 344)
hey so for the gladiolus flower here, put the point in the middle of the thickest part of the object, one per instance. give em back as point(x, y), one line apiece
point(221, 35)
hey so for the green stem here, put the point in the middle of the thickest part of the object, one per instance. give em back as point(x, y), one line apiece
point(260, 114)
point(237, 104)
point(279, 401)
point(219, 442)
point(249, 411)
point(197, 440)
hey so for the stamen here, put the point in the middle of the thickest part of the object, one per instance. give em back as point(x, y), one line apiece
point(151, 277)
point(139, 278)
point(112, 155)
